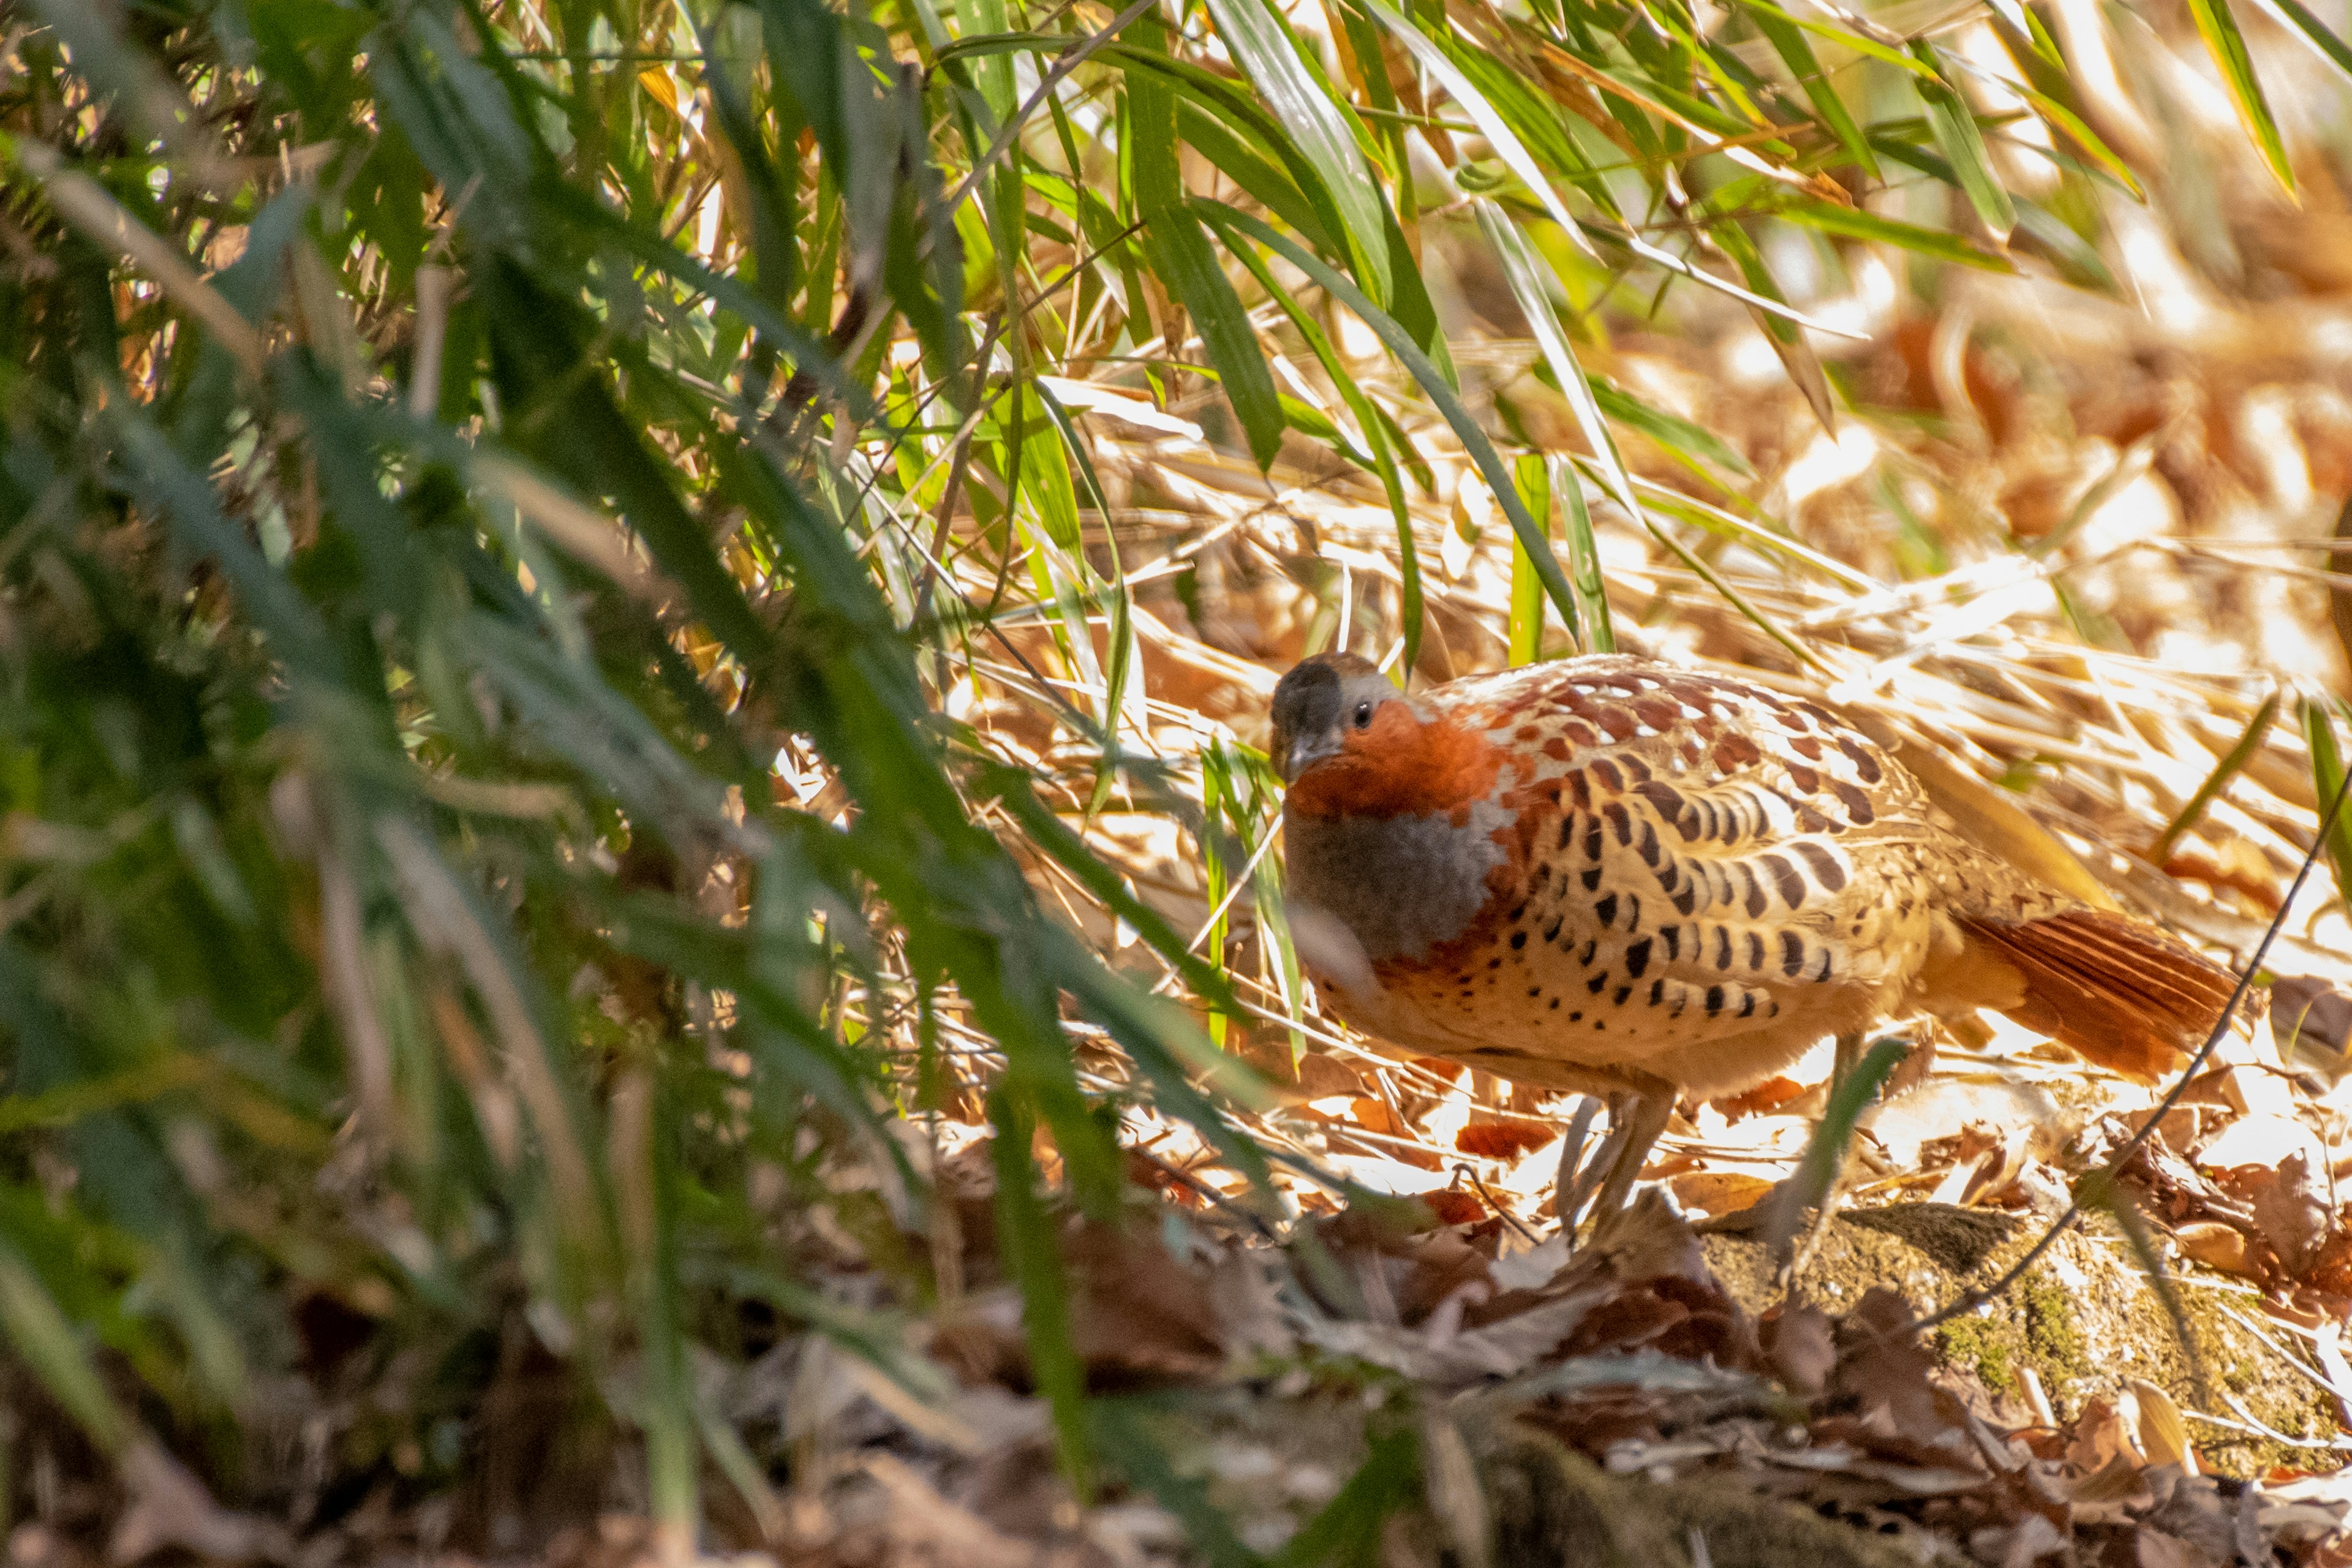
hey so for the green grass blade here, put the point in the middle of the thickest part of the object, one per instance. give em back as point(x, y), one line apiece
point(1584, 560)
point(2219, 29)
point(45, 1338)
point(2327, 777)
point(1523, 630)
point(1026, 1228)
point(1180, 252)
point(1954, 124)
point(1527, 275)
point(1377, 440)
point(1852, 223)
point(2232, 764)
point(1788, 41)
point(1235, 225)
point(2322, 39)
point(1269, 56)
point(1796, 355)
point(1694, 445)
point(1809, 1185)
point(1845, 37)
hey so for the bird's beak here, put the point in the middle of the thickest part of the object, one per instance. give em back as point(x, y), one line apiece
point(1304, 753)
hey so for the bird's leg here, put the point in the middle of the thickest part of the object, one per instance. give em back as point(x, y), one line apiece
point(1574, 1184)
point(1848, 1058)
point(1637, 1119)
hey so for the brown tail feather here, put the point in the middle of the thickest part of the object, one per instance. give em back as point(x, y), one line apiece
point(2110, 987)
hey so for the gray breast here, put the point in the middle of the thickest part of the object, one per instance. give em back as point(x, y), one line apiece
point(1403, 884)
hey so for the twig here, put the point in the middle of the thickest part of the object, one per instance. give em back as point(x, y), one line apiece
point(1462, 1168)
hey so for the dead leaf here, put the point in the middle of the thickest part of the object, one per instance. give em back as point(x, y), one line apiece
point(2104, 1438)
point(2263, 1138)
point(1493, 1137)
point(1713, 1193)
point(2163, 1435)
point(1799, 1344)
point(1888, 1373)
point(1137, 1315)
point(2155, 1548)
point(2216, 1245)
point(2310, 1020)
point(1453, 1206)
point(1769, 1095)
point(2292, 1211)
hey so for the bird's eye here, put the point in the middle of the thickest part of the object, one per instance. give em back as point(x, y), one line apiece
point(1363, 715)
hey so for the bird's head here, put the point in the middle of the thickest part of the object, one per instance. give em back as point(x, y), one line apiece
point(1349, 743)
point(1328, 705)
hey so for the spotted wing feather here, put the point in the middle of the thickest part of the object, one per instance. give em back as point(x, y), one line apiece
point(1693, 860)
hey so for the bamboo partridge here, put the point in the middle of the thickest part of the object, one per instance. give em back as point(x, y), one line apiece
point(1610, 875)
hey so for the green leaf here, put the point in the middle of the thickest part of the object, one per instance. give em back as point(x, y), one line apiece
point(1269, 185)
point(1954, 125)
point(2037, 222)
point(1515, 156)
point(1825, 1151)
point(2328, 778)
point(1584, 560)
point(1180, 252)
point(2219, 29)
point(1400, 344)
point(42, 1335)
point(2313, 31)
point(1527, 276)
point(1125, 1434)
point(1497, 130)
point(1263, 47)
point(1796, 356)
point(1378, 440)
point(1026, 1228)
point(1692, 443)
point(1348, 1530)
point(1852, 223)
point(2232, 763)
point(1845, 37)
point(1524, 629)
point(1788, 40)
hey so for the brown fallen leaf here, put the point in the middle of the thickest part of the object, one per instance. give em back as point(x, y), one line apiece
point(1375, 1116)
point(2310, 1020)
point(1769, 1095)
point(1713, 1193)
point(1800, 1345)
point(1453, 1206)
point(1137, 1315)
point(2154, 1549)
point(2216, 1245)
point(1887, 1371)
point(2292, 1209)
point(2163, 1435)
point(1494, 1137)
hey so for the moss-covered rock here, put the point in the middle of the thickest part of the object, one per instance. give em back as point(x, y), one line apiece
point(2085, 1318)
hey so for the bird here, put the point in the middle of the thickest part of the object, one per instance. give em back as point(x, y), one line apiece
point(1615, 876)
